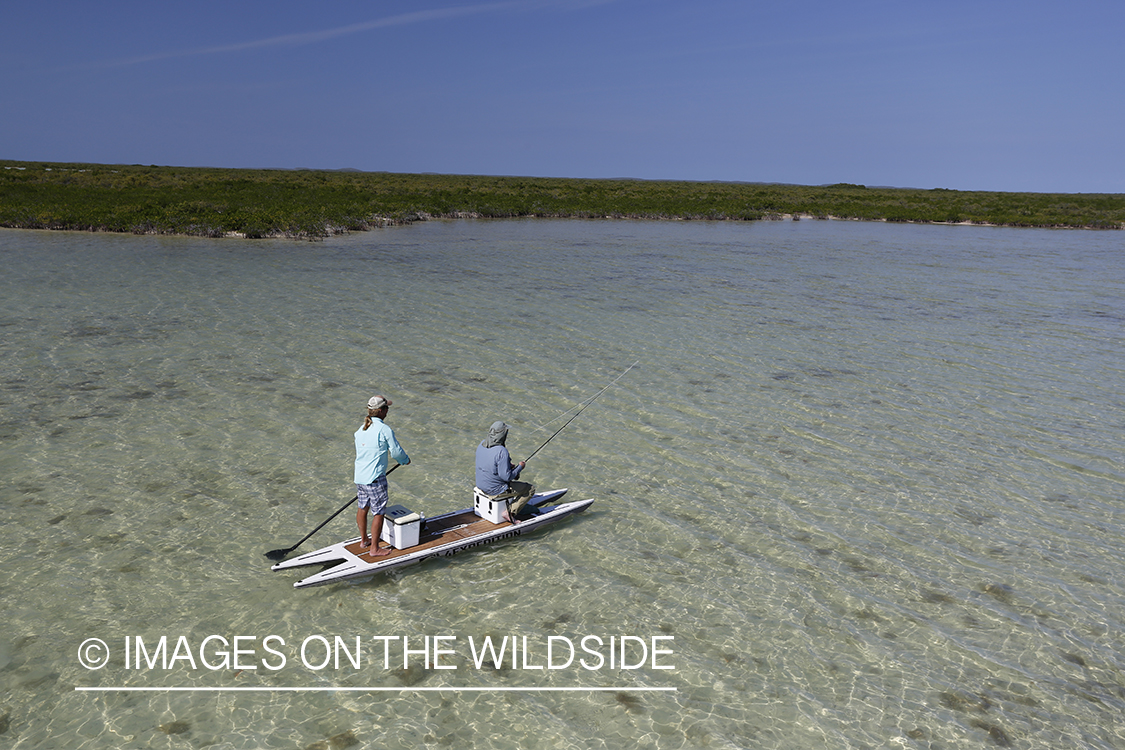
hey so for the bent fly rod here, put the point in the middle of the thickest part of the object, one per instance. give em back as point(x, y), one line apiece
point(603, 390)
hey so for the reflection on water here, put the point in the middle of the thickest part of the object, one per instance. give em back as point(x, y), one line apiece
point(867, 477)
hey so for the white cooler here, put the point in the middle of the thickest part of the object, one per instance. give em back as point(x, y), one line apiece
point(401, 527)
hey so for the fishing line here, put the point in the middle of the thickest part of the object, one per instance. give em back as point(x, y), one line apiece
point(560, 416)
point(588, 402)
point(580, 405)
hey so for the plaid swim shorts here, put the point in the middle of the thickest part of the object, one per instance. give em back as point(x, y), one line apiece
point(373, 496)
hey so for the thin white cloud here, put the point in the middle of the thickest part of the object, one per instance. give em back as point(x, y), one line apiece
point(403, 19)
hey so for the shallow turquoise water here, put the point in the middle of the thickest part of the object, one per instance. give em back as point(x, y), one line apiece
point(867, 477)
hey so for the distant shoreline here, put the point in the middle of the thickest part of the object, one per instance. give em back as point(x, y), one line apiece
point(309, 204)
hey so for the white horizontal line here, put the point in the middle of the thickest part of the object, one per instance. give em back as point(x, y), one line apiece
point(113, 689)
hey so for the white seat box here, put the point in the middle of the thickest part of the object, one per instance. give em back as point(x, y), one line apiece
point(488, 509)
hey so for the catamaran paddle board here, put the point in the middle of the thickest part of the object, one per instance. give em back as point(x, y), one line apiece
point(441, 536)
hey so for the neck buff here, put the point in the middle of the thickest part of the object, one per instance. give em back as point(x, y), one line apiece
point(497, 434)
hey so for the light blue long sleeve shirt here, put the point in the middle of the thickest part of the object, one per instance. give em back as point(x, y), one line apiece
point(373, 447)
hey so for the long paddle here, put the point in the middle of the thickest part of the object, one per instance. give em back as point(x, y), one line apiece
point(279, 554)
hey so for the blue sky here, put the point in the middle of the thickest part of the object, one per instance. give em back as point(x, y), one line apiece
point(1010, 96)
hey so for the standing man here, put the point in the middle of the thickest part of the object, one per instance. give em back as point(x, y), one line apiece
point(497, 475)
point(374, 443)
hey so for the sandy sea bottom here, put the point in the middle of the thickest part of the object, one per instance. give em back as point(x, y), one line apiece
point(864, 484)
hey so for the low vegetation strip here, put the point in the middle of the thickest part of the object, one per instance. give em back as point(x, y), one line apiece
point(311, 203)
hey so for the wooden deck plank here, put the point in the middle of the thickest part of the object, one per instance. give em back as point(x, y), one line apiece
point(460, 526)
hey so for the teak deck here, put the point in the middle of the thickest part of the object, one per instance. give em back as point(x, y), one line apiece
point(436, 532)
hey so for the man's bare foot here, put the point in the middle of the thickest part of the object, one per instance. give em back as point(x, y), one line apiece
point(365, 543)
point(379, 552)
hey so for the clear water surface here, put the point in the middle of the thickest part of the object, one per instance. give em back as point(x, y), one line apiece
point(867, 477)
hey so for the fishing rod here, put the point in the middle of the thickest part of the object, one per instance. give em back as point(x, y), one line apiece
point(603, 390)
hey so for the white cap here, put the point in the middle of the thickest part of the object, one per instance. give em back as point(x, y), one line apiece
point(378, 402)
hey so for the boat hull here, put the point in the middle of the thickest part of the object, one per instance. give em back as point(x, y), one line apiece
point(443, 536)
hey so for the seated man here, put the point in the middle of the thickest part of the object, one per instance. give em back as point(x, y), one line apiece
point(496, 475)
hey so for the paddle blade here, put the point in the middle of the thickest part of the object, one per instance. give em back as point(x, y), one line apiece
point(277, 555)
